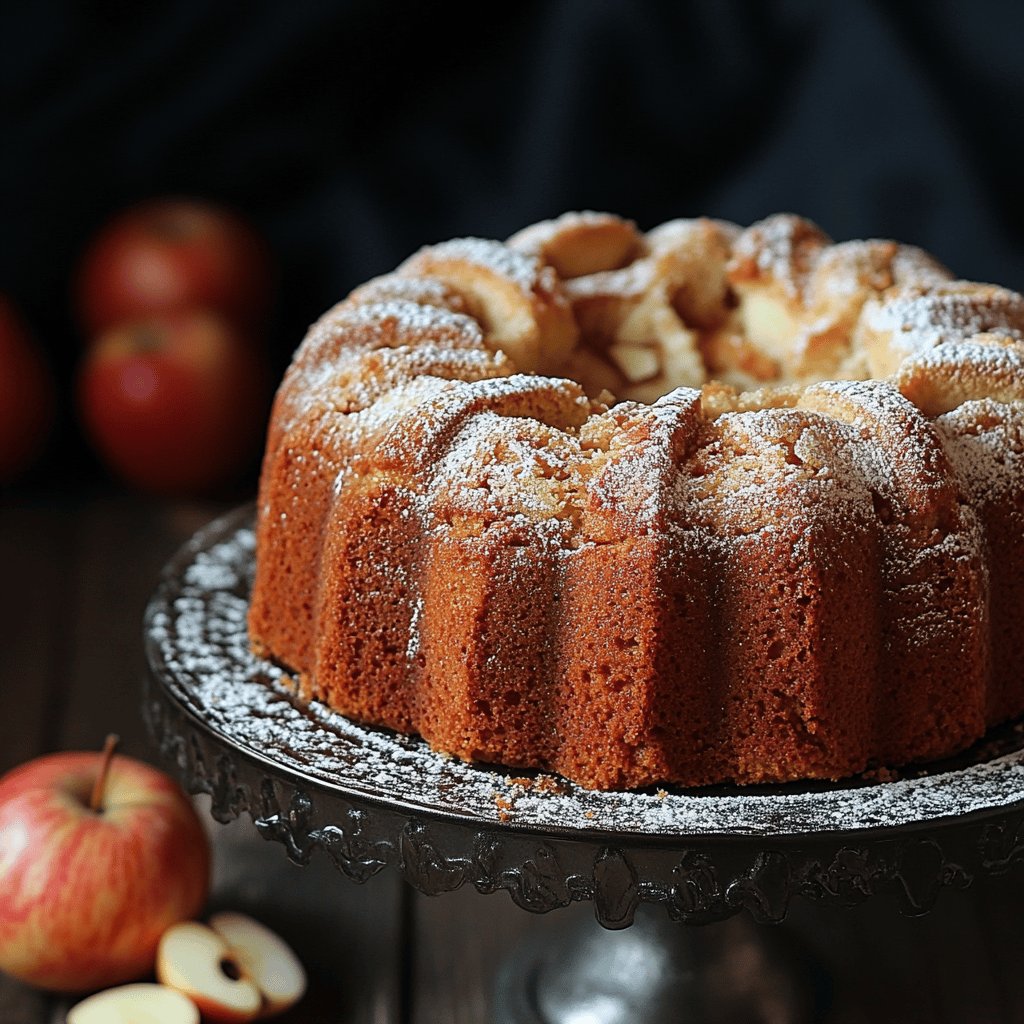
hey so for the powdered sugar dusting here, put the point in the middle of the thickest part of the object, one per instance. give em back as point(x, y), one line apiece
point(917, 318)
point(988, 364)
point(536, 237)
point(985, 442)
point(639, 480)
point(521, 269)
point(907, 451)
point(199, 649)
point(421, 440)
point(687, 232)
point(501, 466)
point(782, 247)
point(369, 377)
point(404, 319)
point(630, 282)
point(428, 291)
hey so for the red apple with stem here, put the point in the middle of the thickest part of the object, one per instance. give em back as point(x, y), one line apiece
point(171, 254)
point(174, 404)
point(99, 856)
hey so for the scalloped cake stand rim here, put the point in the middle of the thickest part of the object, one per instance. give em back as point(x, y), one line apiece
point(203, 666)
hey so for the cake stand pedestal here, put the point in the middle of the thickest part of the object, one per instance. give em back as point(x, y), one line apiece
point(369, 799)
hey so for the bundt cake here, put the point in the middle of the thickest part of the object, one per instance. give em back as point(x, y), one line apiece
point(691, 506)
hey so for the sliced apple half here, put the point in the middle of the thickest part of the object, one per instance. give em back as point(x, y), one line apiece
point(135, 1004)
point(234, 969)
point(265, 957)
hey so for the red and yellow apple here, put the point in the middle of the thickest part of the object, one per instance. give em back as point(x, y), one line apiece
point(141, 1003)
point(99, 856)
point(174, 404)
point(26, 395)
point(171, 254)
point(234, 969)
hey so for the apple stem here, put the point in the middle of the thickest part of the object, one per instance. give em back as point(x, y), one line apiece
point(100, 785)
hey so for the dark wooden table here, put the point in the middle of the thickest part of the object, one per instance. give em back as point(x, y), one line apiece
point(76, 575)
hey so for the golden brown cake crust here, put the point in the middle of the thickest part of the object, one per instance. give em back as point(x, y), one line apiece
point(694, 505)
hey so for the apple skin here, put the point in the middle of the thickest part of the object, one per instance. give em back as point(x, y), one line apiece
point(86, 894)
point(27, 398)
point(170, 254)
point(175, 405)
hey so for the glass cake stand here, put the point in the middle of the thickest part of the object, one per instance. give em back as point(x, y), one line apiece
point(371, 799)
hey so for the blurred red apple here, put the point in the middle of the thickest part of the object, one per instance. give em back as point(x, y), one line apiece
point(99, 856)
point(26, 395)
point(174, 404)
point(173, 254)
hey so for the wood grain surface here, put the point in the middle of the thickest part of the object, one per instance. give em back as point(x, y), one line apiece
point(76, 576)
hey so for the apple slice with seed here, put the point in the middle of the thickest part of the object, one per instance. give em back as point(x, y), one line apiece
point(135, 1004)
point(234, 969)
point(264, 957)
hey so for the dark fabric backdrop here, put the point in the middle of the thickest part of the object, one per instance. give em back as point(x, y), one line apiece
point(353, 132)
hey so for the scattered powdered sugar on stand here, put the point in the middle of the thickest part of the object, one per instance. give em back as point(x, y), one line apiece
point(199, 647)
